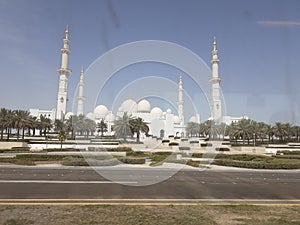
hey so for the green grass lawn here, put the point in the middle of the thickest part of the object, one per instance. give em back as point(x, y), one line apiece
point(154, 214)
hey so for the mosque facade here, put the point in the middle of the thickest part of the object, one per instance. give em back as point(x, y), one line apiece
point(161, 123)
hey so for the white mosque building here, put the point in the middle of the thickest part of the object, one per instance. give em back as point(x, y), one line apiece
point(161, 124)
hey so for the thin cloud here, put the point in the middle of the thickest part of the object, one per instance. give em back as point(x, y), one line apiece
point(279, 23)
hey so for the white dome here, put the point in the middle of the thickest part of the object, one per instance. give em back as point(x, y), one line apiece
point(68, 115)
point(176, 119)
point(169, 111)
point(110, 117)
point(100, 111)
point(90, 116)
point(144, 106)
point(128, 106)
point(157, 112)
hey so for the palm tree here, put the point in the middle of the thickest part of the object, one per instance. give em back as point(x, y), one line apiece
point(3, 120)
point(9, 122)
point(137, 126)
point(59, 125)
point(89, 126)
point(296, 132)
point(243, 129)
point(122, 126)
point(62, 137)
point(279, 130)
point(21, 121)
point(71, 125)
point(102, 127)
point(192, 129)
point(45, 124)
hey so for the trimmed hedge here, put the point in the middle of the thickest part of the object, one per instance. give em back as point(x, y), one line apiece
point(223, 149)
point(173, 144)
point(194, 142)
point(165, 141)
point(256, 165)
point(20, 148)
point(42, 157)
point(133, 160)
point(287, 152)
point(184, 148)
point(62, 150)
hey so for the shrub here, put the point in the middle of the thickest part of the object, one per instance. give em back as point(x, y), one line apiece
point(71, 161)
point(184, 139)
point(165, 141)
point(287, 152)
point(133, 160)
point(197, 155)
point(64, 149)
point(119, 149)
point(176, 138)
point(171, 136)
point(256, 165)
point(173, 144)
point(20, 148)
point(223, 149)
point(184, 148)
point(194, 142)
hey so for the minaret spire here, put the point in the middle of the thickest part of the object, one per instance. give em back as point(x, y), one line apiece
point(64, 73)
point(81, 97)
point(216, 106)
point(67, 31)
point(180, 101)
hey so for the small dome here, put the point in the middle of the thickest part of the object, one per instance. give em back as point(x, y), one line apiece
point(169, 111)
point(100, 111)
point(90, 116)
point(110, 117)
point(144, 106)
point(176, 119)
point(157, 112)
point(195, 119)
point(68, 115)
point(128, 106)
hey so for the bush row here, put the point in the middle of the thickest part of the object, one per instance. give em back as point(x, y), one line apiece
point(287, 152)
point(256, 165)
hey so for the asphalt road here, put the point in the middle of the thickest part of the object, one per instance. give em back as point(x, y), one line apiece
point(241, 186)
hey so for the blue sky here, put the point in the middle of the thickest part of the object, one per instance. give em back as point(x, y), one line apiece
point(258, 44)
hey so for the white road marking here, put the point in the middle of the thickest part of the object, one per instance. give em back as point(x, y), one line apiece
point(67, 181)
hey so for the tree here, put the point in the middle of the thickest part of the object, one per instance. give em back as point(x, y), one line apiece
point(102, 127)
point(3, 120)
point(59, 125)
point(280, 130)
point(242, 129)
point(122, 126)
point(192, 129)
point(137, 126)
point(62, 137)
point(21, 121)
point(45, 125)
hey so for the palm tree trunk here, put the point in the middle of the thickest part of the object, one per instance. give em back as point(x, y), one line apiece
point(138, 136)
point(18, 133)
point(23, 133)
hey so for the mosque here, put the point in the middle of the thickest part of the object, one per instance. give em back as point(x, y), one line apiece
point(161, 124)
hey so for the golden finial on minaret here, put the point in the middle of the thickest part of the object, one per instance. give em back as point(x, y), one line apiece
point(67, 31)
point(215, 43)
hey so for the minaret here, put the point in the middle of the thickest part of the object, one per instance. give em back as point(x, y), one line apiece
point(216, 106)
point(80, 94)
point(180, 101)
point(64, 73)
